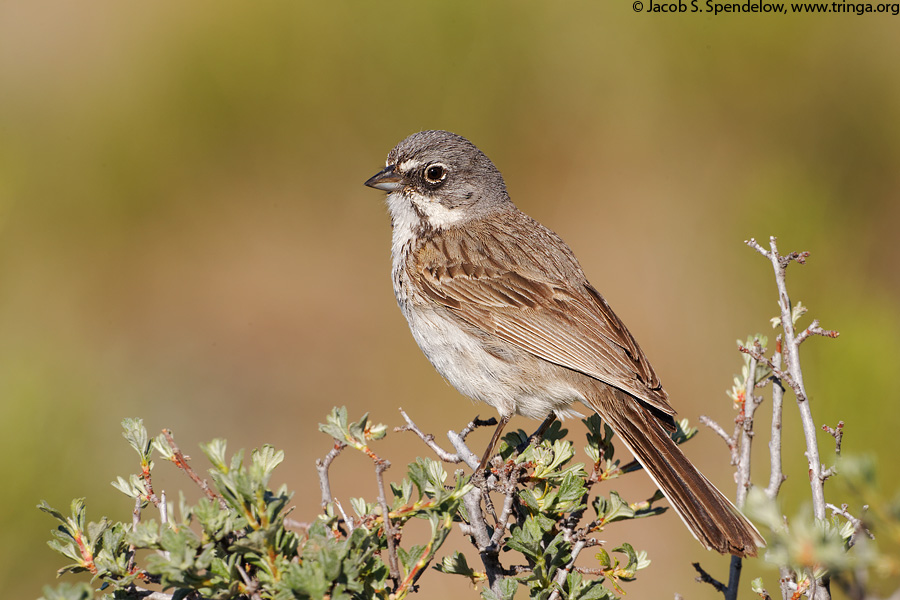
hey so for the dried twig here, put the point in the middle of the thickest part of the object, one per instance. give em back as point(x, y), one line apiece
point(748, 409)
point(837, 432)
point(459, 444)
point(776, 471)
point(790, 349)
point(787, 351)
point(382, 465)
point(720, 431)
point(429, 440)
point(858, 525)
point(322, 466)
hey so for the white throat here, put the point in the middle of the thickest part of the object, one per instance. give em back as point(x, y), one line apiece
point(405, 218)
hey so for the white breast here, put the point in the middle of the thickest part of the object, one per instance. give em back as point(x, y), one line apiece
point(458, 356)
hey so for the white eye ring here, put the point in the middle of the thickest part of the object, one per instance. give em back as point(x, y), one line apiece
point(435, 173)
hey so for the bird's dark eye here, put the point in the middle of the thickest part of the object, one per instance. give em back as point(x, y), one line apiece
point(435, 173)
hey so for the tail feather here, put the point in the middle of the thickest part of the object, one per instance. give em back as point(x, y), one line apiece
point(708, 514)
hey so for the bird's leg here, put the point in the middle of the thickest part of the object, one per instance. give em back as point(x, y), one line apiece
point(504, 419)
point(539, 434)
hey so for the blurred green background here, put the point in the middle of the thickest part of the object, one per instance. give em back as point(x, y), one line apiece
point(184, 234)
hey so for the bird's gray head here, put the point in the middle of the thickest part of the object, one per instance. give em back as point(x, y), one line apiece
point(442, 178)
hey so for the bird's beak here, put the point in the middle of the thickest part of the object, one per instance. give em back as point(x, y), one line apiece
point(387, 179)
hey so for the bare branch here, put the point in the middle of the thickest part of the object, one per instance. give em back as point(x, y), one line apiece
point(858, 525)
point(561, 574)
point(776, 471)
point(707, 578)
point(748, 409)
point(477, 529)
point(792, 376)
point(783, 376)
point(382, 465)
point(837, 433)
point(181, 461)
point(322, 466)
point(459, 444)
point(508, 502)
point(792, 359)
point(718, 430)
point(351, 523)
point(814, 329)
point(429, 440)
point(755, 245)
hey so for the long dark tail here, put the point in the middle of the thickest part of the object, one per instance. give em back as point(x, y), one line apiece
point(709, 515)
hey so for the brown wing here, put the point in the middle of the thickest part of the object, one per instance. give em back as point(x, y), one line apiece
point(525, 287)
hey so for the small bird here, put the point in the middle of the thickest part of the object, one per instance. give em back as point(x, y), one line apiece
point(502, 309)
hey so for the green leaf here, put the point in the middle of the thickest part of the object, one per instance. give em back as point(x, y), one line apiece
point(43, 506)
point(264, 460)
point(508, 587)
point(612, 509)
point(136, 435)
point(215, 452)
point(576, 588)
point(68, 591)
point(133, 487)
point(335, 424)
point(627, 572)
point(456, 564)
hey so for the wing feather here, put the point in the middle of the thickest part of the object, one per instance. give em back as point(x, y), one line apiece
point(539, 300)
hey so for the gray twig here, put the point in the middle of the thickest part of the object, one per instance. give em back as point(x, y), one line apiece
point(382, 465)
point(858, 525)
point(459, 444)
point(561, 575)
point(351, 524)
point(792, 376)
point(746, 422)
point(322, 466)
point(428, 439)
point(720, 431)
point(790, 349)
point(776, 471)
point(508, 502)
